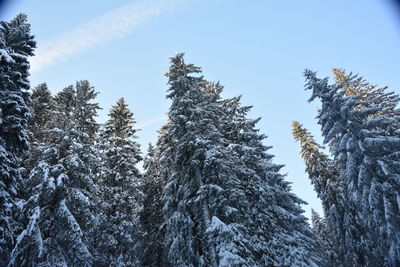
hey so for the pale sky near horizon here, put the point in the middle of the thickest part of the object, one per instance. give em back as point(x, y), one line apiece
point(256, 48)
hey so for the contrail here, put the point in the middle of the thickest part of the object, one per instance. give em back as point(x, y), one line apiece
point(100, 30)
point(144, 124)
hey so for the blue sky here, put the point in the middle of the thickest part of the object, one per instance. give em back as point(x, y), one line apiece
point(256, 48)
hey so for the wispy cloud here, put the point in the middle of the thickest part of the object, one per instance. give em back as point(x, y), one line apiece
point(144, 124)
point(100, 30)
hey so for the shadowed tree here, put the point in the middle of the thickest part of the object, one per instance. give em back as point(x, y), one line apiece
point(362, 133)
point(16, 45)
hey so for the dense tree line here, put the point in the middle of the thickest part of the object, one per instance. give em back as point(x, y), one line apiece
point(72, 194)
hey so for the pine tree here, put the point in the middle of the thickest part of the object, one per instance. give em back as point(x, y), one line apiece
point(194, 196)
point(151, 215)
point(65, 102)
point(225, 203)
point(157, 170)
point(121, 196)
point(16, 44)
point(278, 231)
point(41, 109)
point(86, 111)
point(30, 240)
point(59, 210)
point(340, 215)
point(352, 84)
point(327, 248)
point(361, 133)
point(182, 248)
point(42, 112)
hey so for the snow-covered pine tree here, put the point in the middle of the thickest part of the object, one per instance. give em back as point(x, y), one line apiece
point(30, 242)
point(86, 111)
point(354, 84)
point(362, 133)
point(325, 243)
point(351, 83)
point(201, 226)
point(120, 192)
point(42, 111)
point(65, 102)
point(59, 209)
point(340, 215)
point(179, 240)
point(16, 44)
point(151, 216)
point(225, 202)
point(277, 230)
point(157, 170)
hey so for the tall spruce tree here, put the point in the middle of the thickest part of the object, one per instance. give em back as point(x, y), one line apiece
point(340, 213)
point(30, 240)
point(195, 197)
point(361, 132)
point(220, 180)
point(42, 112)
point(120, 191)
point(278, 231)
point(41, 108)
point(59, 210)
point(16, 45)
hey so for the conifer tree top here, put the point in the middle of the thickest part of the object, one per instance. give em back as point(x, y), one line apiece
point(17, 35)
point(352, 84)
point(178, 74)
point(305, 138)
point(121, 121)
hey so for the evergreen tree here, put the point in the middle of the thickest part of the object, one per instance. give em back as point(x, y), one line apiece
point(30, 240)
point(327, 248)
point(59, 210)
point(157, 170)
point(361, 133)
point(194, 196)
point(225, 203)
point(65, 102)
point(41, 109)
point(42, 113)
point(278, 231)
point(16, 44)
point(151, 215)
point(351, 83)
point(85, 112)
point(340, 215)
point(120, 190)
